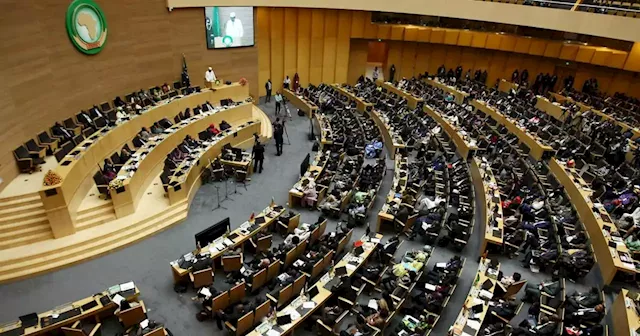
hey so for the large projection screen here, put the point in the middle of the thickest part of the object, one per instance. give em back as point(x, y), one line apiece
point(229, 27)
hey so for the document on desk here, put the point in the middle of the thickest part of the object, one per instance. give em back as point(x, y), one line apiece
point(205, 291)
point(272, 332)
point(351, 267)
point(294, 315)
point(474, 324)
point(127, 286)
point(117, 299)
point(309, 305)
point(429, 287)
point(373, 304)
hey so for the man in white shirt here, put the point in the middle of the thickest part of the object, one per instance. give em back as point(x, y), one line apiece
point(234, 29)
point(210, 77)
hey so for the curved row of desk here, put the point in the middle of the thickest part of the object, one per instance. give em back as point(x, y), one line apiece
point(62, 200)
point(412, 100)
point(301, 102)
point(138, 172)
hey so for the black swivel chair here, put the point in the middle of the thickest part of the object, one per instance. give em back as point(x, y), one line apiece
point(25, 162)
point(45, 140)
point(103, 186)
point(33, 147)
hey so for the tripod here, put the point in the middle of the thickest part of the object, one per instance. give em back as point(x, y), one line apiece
point(284, 127)
point(218, 205)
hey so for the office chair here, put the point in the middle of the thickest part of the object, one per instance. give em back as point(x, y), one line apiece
point(24, 160)
point(35, 148)
point(45, 141)
point(102, 185)
point(241, 177)
point(82, 329)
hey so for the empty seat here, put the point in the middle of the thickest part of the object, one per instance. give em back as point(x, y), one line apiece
point(101, 183)
point(45, 140)
point(25, 162)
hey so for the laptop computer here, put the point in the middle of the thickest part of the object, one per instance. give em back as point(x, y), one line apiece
point(284, 319)
point(340, 271)
point(313, 291)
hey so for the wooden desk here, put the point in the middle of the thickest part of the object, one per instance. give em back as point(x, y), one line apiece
point(215, 252)
point(554, 110)
point(489, 195)
point(320, 299)
point(361, 104)
point(506, 86)
point(391, 139)
point(325, 129)
point(625, 319)
point(608, 258)
point(459, 95)
point(384, 215)
point(95, 312)
point(126, 198)
point(300, 102)
point(61, 201)
point(533, 141)
point(473, 299)
point(187, 175)
point(464, 148)
point(246, 164)
point(412, 101)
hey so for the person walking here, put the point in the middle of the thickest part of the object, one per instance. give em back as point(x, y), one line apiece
point(258, 156)
point(278, 99)
point(268, 87)
point(278, 132)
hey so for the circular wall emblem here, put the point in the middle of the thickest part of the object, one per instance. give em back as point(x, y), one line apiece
point(86, 26)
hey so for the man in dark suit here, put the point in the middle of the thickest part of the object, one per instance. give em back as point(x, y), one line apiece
point(268, 87)
point(258, 156)
point(278, 132)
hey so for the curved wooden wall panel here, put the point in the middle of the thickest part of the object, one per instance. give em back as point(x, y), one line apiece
point(45, 79)
point(324, 56)
point(610, 26)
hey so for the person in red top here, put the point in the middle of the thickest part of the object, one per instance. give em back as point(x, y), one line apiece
point(213, 130)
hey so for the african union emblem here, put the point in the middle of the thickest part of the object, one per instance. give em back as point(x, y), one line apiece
point(86, 26)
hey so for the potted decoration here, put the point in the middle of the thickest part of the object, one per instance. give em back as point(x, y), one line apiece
point(51, 178)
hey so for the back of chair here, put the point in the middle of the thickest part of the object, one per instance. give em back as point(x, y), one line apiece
point(132, 316)
point(237, 293)
point(298, 284)
point(156, 332)
point(245, 323)
point(232, 263)
point(326, 261)
point(515, 288)
point(273, 271)
point(262, 311)
point(263, 244)
point(220, 302)
point(258, 280)
point(72, 332)
point(203, 278)
point(285, 294)
point(293, 223)
point(317, 268)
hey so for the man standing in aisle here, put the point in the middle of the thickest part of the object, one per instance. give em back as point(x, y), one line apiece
point(268, 87)
point(258, 156)
point(278, 132)
point(278, 99)
point(210, 77)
